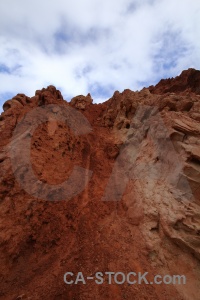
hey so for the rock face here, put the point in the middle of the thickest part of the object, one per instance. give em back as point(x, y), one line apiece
point(81, 102)
point(111, 187)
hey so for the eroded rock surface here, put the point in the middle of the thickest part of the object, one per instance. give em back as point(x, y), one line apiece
point(101, 187)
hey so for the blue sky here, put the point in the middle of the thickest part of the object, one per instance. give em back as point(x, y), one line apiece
point(93, 46)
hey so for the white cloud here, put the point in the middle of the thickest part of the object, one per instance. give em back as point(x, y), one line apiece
point(91, 44)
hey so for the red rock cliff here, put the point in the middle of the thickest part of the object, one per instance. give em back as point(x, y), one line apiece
point(101, 187)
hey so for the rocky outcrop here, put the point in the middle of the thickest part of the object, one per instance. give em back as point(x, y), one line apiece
point(187, 81)
point(18, 100)
point(81, 102)
point(101, 187)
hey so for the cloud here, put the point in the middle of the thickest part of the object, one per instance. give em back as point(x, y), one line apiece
point(95, 46)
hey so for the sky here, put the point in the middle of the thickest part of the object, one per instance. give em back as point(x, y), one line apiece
point(95, 46)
